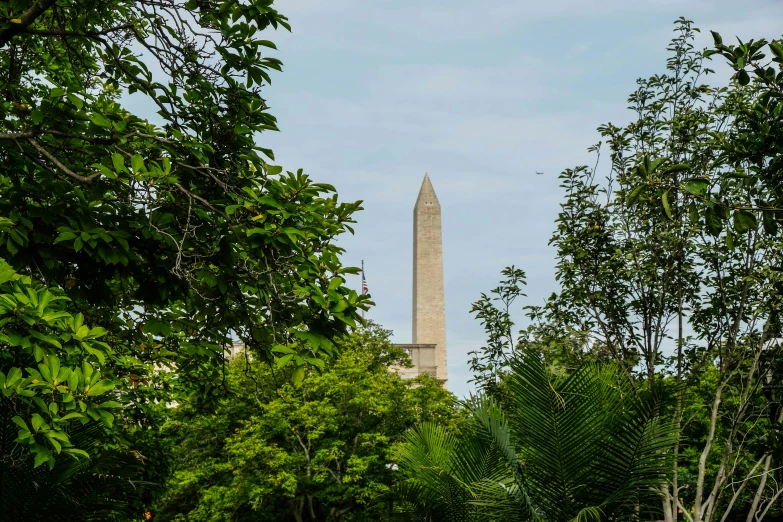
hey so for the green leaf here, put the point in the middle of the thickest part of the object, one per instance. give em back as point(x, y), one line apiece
point(298, 376)
point(78, 103)
point(37, 116)
point(347, 320)
point(106, 171)
point(266, 43)
point(14, 376)
point(679, 167)
point(713, 221)
point(99, 120)
point(282, 361)
point(717, 38)
point(82, 332)
point(55, 444)
point(770, 224)
point(62, 376)
point(693, 213)
point(777, 50)
point(722, 210)
point(138, 164)
point(108, 418)
point(666, 207)
point(335, 283)
point(86, 368)
point(341, 306)
point(279, 348)
point(41, 457)
point(100, 387)
point(269, 201)
point(77, 452)
point(6, 272)
point(65, 236)
point(54, 365)
point(73, 381)
point(96, 332)
point(47, 338)
point(315, 362)
point(19, 422)
point(744, 221)
point(118, 162)
point(742, 77)
point(697, 187)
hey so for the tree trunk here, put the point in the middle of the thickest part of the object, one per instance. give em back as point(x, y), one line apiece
point(702, 471)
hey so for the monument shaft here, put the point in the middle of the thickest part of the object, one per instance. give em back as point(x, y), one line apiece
point(429, 311)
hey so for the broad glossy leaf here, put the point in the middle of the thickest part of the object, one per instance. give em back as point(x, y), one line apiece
point(100, 387)
point(744, 221)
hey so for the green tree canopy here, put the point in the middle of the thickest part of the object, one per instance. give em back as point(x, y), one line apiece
point(667, 266)
point(317, 452)
point(162, 235)
point(739, 184)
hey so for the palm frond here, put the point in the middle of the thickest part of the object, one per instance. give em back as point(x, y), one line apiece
point(607, 446)
point(453, 477)
point(585, 447)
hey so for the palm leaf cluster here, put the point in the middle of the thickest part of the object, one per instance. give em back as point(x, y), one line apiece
point(583, 447)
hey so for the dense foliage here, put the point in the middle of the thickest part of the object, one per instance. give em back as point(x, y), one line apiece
point(653, 278)
point(745, 152)
point(63, 386)
point(316, 452)
point(138, 244)
point(104, 486)
point(554, 449)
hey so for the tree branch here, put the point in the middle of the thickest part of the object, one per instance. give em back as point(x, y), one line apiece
point(16, 135)
point(71, 34)
point(48, 155)
point(27, 18)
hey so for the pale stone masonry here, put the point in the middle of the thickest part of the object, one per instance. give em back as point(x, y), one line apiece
point(429, 311)
point(423, 359)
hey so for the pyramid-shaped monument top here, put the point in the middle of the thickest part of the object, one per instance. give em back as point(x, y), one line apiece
point(427, 194)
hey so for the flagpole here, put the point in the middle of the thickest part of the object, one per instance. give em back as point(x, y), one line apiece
point(362, 284)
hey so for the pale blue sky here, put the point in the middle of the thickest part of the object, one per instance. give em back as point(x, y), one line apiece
point(481, 95)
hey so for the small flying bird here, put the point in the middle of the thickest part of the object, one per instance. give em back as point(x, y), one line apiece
point(539, 173)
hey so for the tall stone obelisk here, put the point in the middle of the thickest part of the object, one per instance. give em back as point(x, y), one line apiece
point(429, 311)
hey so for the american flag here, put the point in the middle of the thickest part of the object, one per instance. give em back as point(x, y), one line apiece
point(365, 288)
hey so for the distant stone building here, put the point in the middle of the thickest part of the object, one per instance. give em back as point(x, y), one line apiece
point(428, 350)
point(236, 348)
point(423, 358)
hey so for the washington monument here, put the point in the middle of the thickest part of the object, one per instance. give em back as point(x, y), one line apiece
point(429, 313)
